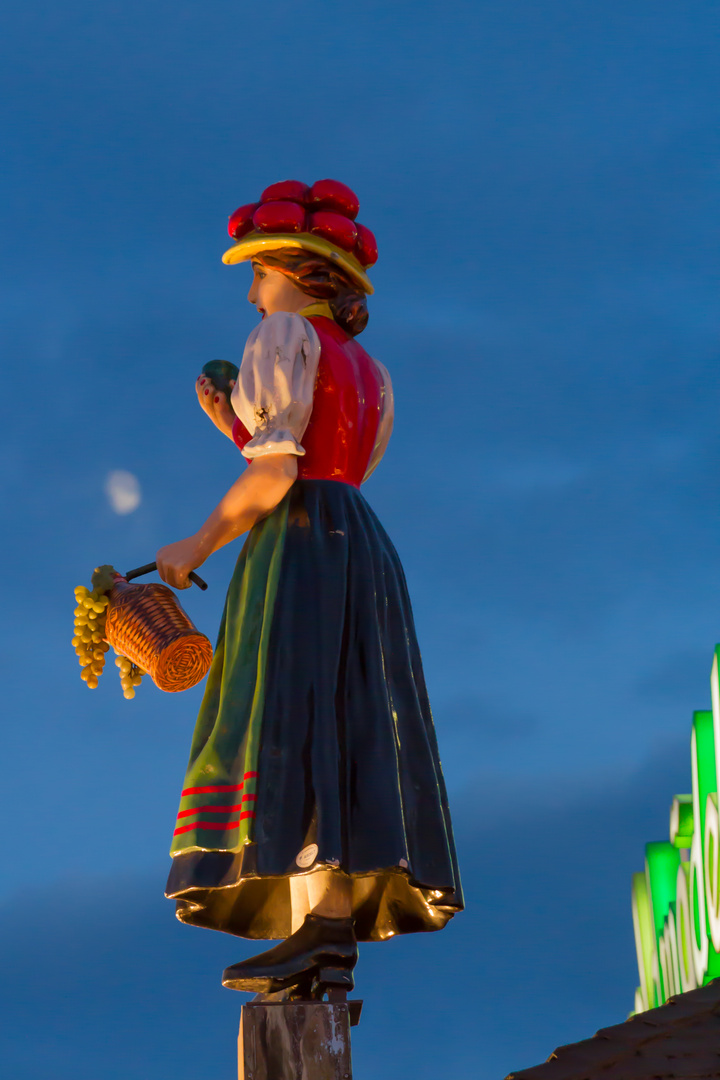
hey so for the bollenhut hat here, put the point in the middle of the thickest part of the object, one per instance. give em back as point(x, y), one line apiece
point(320, 219)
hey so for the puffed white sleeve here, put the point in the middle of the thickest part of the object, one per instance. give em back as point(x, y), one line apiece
point(273, 395)
point(387, 418)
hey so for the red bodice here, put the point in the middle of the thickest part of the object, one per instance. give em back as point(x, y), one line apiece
point(346, 413)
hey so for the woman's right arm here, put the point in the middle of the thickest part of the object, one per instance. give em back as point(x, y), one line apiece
point(216, 405)
point(254, 495)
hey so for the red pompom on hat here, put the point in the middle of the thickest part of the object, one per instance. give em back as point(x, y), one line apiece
point(319, 219)
point(279, 217)
point(292, 190)
point(334, 196)
point(366, 249)
point(241, 222)
point(334, 227)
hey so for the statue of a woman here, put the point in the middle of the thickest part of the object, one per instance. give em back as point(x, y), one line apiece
point(314, 807)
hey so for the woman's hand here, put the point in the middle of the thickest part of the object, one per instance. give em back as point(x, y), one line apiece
point(175, 561)
point(215, 404)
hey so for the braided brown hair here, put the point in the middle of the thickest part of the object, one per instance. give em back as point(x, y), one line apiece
point(319, 278)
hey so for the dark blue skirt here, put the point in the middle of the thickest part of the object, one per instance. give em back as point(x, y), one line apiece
point(315, 746)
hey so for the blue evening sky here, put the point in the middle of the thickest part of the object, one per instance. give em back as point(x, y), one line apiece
point(542, 180)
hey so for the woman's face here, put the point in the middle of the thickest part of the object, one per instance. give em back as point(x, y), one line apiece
point(273, 291)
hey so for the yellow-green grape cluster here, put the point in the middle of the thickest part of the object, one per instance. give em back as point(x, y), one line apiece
point(130, 675)
point(89, 634)
point(89, 638)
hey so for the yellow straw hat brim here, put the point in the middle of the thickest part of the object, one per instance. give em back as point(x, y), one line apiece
point(256, 242)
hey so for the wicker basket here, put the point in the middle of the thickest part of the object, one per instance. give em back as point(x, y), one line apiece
point(147, 624)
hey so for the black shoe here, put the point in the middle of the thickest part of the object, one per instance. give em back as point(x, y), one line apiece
point(322, 952)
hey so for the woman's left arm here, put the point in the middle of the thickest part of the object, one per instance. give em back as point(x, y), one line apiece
point(254, 495)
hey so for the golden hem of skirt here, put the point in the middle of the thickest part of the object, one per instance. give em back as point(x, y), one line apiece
point(384, 903)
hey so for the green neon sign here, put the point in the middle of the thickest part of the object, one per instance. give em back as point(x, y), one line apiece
point(676, 902)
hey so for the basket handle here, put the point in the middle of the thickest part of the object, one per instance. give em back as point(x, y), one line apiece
point(149, 567)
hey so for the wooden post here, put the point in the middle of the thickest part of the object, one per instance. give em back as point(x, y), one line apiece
point(294, 1040)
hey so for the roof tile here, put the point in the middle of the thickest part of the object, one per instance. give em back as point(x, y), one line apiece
point(677, 1041)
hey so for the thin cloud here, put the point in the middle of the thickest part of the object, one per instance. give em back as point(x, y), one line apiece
point(537, 474)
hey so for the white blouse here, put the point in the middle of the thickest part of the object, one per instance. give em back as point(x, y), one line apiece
point(273, 395)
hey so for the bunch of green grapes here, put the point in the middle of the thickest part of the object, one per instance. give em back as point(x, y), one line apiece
point(89, 634)
point(130, 675)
